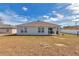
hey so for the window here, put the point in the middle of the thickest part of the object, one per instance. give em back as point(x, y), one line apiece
point(7, 30)
point(41, 29)
point(25, 30)
point(21, 31)
point(50, 31)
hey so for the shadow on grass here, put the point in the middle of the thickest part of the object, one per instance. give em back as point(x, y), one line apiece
point(29, 35)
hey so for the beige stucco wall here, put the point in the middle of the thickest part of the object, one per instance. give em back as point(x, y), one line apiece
point(7, 31)
point(14, 31)
point(33, 31)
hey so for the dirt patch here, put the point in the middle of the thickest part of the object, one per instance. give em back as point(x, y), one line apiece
point(59, 38)
point(45, 45)
point(55, 37)
point(60, 45)
point(62, 38)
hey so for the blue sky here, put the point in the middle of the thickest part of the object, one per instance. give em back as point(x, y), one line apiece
point(60, 13)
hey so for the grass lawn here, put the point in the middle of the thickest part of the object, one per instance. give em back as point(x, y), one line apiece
point(39, 45)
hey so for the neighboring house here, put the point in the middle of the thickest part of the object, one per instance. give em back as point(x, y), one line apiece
point(71, 28)
point(7, 29)
point(38, 28)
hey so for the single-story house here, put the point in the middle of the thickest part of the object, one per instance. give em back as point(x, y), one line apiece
point(7, 29)
point(38, 28)
point(71, 28)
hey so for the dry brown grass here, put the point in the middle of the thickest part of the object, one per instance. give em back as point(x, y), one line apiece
point(39, 45)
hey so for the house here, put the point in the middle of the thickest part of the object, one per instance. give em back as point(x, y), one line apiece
point(38, 28)
point(7, 29)
point(71, 28)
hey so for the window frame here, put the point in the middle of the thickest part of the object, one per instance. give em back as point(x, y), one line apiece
point(25, 30)
point(21, 31)
point(40, 29)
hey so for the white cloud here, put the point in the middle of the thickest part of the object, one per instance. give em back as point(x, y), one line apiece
point(11, 17)
point(51, 19)
point(74, 8)
point(58, 15)
point(76, 20)
point(45, 16)
point(54, 12)
point(61, 5)
point(24, 8)
point(61, 19)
